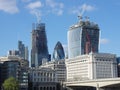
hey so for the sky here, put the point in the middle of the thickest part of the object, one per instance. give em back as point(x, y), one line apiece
point(17, 16)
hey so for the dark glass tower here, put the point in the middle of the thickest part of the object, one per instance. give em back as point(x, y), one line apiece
point(39, 50)
point(58, 53)
point(83, 38)
point(23, 50)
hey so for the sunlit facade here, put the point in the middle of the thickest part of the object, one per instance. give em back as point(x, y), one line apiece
point(91, 66)
point(83, 38)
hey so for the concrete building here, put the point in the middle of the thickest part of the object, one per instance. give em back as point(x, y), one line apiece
point(39, 51)
point(83, 38)
point(59, 66)
point(92, 66)
point(43, 79)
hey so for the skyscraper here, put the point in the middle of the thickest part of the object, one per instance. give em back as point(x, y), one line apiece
point(23, 51)
point(83, 38)
point(58, 53)
point(21, 48)
point(39, 50)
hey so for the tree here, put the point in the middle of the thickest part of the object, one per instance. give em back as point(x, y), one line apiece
point(11, 84)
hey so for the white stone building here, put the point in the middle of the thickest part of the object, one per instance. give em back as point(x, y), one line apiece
point(59, 66)
point(43, 75)
point(43, 78)
point(92, 66)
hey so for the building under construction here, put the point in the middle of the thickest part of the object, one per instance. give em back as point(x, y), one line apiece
point(39, 52)
point(83, 38)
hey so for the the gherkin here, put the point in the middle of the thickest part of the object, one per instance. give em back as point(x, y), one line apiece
point(58, 53)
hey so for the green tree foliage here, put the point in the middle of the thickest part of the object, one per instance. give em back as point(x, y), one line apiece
point(11, 84)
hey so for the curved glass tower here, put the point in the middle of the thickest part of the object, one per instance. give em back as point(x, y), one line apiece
point(39, 50)
point(58, 53)
point(83, 38)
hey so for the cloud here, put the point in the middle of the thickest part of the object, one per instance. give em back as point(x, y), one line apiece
point(34, 5)
point(25, 0)
point(81, 9)
point(54, 4)
point(40, 8)
point(34, 9)
point(104, 41)
point(55, 7)
point(9, 6)
point(37, 13)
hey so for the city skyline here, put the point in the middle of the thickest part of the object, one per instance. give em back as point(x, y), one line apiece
point(58, 15)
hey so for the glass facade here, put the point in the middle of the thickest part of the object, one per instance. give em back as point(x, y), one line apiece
point(83, 38)
point(58, 53)
point(39, 45)
point(74, 44)
point(23, 50)
point(11, 69)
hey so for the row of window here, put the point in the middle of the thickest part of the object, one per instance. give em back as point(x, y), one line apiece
point(104, 60)
point(44, 74)
point(44, 79)
point(44, 88)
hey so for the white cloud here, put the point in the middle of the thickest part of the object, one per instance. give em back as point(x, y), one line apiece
point(51, 3)
point(104, 41)
point(81, 9)
point(9, 6)
point(34, 5)
point(54, 4)
point(60, 12)
point(55, 7)
point(34, 8)
point(39, 8)
point(26, 0)
point(37, 13)
point(87, 7)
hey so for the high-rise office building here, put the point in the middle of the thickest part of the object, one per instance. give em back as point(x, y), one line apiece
point(23, 50)
point(26, 53)
point(13, 52)
point(39, 52)
point(58, 53)
point(83, 38)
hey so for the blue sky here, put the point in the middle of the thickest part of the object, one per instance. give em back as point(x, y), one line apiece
point(17, 16)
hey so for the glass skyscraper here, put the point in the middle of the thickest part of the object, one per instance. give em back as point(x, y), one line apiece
point(39, 50)
point(58, 53)
point(23, 50)
point(83, 38)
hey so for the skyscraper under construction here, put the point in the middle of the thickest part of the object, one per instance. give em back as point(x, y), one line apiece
point(39, 51)
point(83, 38)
